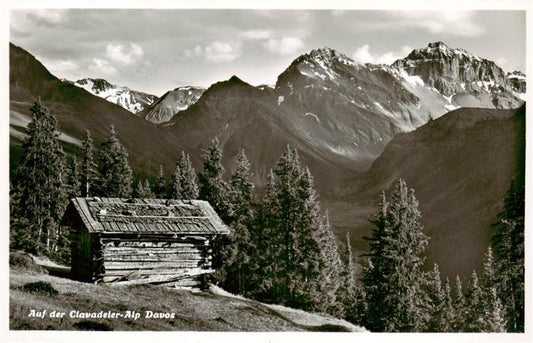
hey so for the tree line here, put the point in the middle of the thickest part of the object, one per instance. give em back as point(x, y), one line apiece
point(282, 248)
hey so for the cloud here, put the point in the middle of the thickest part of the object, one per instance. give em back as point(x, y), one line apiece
point(363, 55)
point(457, 23)
point(216, 51)
point(48, 18)
point(256, 34)
point(283, 45)
point(58, 66)
point(101, 66)
point(125, 54)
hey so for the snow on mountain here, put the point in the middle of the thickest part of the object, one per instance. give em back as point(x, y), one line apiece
point(360, 108)
point(171, 103)
point(471, 81)
point(133, 101)
point(518, 83)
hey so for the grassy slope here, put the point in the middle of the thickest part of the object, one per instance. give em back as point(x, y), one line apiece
point(195, 311)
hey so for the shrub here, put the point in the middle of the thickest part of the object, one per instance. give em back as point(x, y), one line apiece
point(40, 287)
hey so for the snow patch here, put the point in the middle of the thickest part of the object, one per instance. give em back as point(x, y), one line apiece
point(313, 115)
point(451, 107)
point(448, 98)
point(379, 106)
point(280, 99)
point(413, 80)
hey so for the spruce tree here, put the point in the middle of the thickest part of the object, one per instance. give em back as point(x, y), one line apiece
point(490, 279)
point(437, 297)
point(447, 318)
point(396, 300)
point(212, 186)
point(348, 290)
point(184, 183)
point(508, 244)
point(89, 172)
point(144, 190)
point(291, 258)
point(114, 169)
point(38, 194)
point(459, 305)
point(494, 313)
point(161, 189)
point(474, 300)
point(73, 184)
point(330, 280)
point(240, 251)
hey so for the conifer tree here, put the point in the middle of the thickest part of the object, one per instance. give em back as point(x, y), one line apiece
point(161, 189)
point(436, 296)
point(508, 244)
point(73, 184)
point(184, 184)
point(394, 283)
point(39, 198)
point(474, 300)
point(291, 259)
point(88, 173)
point(114, 169)
point(212, 186)
point(448, 312)
point(240, 250)
point(490, 280)
point(144, 190)
point(329, 281)
point(348, 290)
point(494, 313)
point(459, 305)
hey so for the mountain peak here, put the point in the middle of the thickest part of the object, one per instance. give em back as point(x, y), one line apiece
point(438, 45)
point(235, 79)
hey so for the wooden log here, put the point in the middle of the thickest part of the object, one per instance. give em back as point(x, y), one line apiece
point(184, 279)
point(123, 244)
point(140, 239)
point(147, 251)
point(168, 271)
point(149, 265)
point(157, 258)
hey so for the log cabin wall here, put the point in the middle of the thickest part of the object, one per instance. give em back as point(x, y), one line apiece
point(175, 261)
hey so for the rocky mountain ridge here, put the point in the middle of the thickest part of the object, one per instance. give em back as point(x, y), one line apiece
point(172, 102)
point(133, 101)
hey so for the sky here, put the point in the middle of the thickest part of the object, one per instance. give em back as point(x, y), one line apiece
point(158, 50)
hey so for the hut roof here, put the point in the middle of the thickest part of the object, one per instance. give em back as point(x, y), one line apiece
point(115, 215)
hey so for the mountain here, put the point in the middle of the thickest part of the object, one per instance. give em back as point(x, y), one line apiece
point(350, 122)
point(133, 101)
point(78, 110)
point(518, 83)
point(460, 166)
point(171, 103)
point(463, 78)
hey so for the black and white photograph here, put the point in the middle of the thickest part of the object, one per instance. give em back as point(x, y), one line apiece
point(336, 171)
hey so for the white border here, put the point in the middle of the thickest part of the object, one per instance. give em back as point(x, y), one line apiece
point(70, 336)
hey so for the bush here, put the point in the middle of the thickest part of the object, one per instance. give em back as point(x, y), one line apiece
point(23, 261)
point(40, 287)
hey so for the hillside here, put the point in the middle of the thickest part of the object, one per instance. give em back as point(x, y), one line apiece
point(213, 310)
point(460, 166)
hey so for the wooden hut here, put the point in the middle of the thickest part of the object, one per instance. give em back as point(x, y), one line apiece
point(142, 240)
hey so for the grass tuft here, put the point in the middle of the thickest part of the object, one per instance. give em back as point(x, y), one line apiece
point(40, 287)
